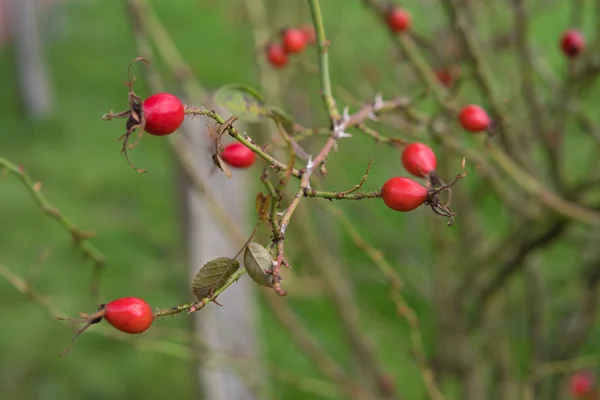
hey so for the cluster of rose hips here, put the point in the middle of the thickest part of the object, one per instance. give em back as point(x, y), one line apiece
point(162, 114)
point(293, 41)
point(404, 194)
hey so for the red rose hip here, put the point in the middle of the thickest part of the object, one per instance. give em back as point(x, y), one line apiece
point(293, 40)
point(399, 20)
point(572, 43)
point(276, 55)
point(129, 315)
point(419, 159)
point(237, 155)
point(403, 194)
point(474, 118)
point(164, 113)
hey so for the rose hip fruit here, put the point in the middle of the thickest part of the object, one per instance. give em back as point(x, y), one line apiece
point(403, 194)
point(474, 118)
point(419, 159)
point(276, 55)
point(129, 315)
point(572, 43)
point(399, 20)
point(581, 384)
point(238, 156)
point(164, 113)
point(293, 40)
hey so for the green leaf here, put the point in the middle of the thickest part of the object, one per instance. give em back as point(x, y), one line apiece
point(286, 120)
point(212, 275)
point(242, 101)
point(257, 261)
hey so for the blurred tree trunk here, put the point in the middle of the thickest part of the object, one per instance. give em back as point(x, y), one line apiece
point(230, 329)
point(33, 77)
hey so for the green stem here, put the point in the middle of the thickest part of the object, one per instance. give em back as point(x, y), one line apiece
point(372, 194)
point(326, 92)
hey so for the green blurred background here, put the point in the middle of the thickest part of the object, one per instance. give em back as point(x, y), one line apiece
point(87, 45)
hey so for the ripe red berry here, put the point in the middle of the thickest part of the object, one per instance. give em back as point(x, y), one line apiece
point(403, 194)
point(129, 315)
point(237, 155)
point(164, 114)
point(399, 20)
point(293, 40)
point(419, 159)
point(276, 55)
point(572, 43)
point(474, 118)
point(310, 36)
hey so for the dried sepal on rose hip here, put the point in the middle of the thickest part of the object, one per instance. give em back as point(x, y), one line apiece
point(404, 194)
point(129, 314)
point(160, 114)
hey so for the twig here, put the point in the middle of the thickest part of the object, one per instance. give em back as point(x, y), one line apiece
point(575, 332)
point(512, 265)
point(402, 306)
point(22, 286)
point(362, 181)
point(323, 44)
point(80, 238)
point(312, 349)
point(339, 288)
point(536, 112)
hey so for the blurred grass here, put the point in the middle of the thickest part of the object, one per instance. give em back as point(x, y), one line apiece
point(76, 156)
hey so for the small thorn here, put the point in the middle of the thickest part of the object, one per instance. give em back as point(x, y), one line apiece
point(378, 102)
point(310, 165)
point(372, 116)
point(346, 114)
point(343, 134)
